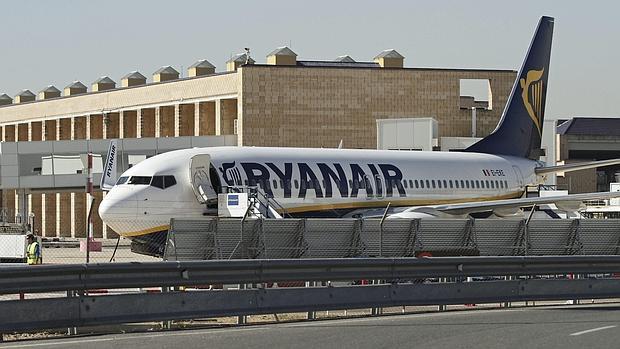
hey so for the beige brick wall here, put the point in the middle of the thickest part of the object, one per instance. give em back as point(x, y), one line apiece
point(50, 133)
point(317, 107)
point(37, 209)
point(36, 131)
point(166, 121)
point(65, 214)
point(147, 122)
point(186, 119)
point(129, 124)
point(9, 133)
point(79, 199)
point(112, 126)
point(50, 214)
point(22, 132)
point(79, 127)
point(206, 118)
point(64, 130)
point(96, 126)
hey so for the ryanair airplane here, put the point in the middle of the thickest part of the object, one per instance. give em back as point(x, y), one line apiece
point(490, 176)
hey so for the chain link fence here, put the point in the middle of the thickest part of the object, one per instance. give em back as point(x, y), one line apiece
point(225, 238)
point(229, 238)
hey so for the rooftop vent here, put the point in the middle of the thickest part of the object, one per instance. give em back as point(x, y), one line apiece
point(344, 59)
point(165, 73)
point(5, 99)
point(389, 59)
point(238, 60)
point(75, 88)
point(133, 79)
point(49, 92)
point(102, 84)
point(282, 56)
point(24, 96)
point(202, 67)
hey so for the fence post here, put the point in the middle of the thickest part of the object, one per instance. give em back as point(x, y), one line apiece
point(381, 229)
point(242, 319)
point(71, 331)
point(166, 324)
point(311, 314)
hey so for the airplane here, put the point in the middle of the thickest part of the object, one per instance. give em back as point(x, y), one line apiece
point(489, 176)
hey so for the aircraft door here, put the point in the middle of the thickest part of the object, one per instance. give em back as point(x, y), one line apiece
point(518, 175)
point(200, 178)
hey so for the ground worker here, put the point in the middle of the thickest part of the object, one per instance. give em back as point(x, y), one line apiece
point(33, 250)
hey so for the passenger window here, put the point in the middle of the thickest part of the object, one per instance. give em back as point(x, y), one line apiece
point(122, 180)
point(488, 185)
point(506, 184)
point(405, 183)
point(445, 183)
point(428, 183)
point(463, 184)
point(296, 184)
point(467, 182)
point(492, 185)
point(439, 183)
point(275, 184)
point(411, 184)
point(158, 182)
point(433, 183)
point(422, 184)
point(416, 184)
point(456, 184)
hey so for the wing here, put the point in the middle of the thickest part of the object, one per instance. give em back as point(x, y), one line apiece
point(497, 205)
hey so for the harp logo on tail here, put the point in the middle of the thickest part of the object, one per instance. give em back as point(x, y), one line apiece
point(532, 94)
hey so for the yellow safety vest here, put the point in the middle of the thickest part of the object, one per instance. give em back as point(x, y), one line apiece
point(34, 253)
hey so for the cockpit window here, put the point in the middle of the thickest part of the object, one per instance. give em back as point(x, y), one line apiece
point(122, 180)
point(158, 182)
point(163, 182)
point(139, 180)
point(169, 181)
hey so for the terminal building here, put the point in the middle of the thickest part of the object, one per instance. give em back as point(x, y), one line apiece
point(588, 139)
point(284, 102)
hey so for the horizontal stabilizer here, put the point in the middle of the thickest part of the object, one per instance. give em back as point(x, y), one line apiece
point(576, 166)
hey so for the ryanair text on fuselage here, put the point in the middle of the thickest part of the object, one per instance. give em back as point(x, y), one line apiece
point(371, 178)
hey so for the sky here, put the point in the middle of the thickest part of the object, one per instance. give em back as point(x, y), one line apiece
point(56, 42)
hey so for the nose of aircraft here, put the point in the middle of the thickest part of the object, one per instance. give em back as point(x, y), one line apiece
point(120, 202)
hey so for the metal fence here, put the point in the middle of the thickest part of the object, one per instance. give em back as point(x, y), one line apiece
point(398, 283)
point(213, 238)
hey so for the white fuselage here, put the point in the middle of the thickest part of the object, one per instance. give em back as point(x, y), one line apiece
point(311, 181)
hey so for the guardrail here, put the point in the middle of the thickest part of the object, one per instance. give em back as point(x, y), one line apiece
point(401, 286)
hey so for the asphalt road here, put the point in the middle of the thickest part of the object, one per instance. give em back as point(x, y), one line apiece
point(553, 327)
